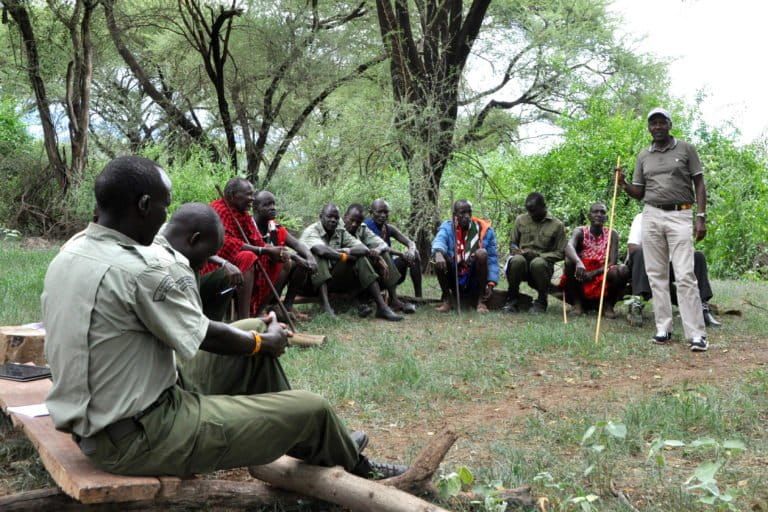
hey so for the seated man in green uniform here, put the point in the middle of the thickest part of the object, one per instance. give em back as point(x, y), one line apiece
point(378, 255)
point(342, 265)
point(120, 309)
point(536, 243)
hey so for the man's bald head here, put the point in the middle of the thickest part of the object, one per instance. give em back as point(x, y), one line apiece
point(264, 208)
point(195, 230)
point(379, 203)
point(263, 197)
point(380, 212)
point(329, 218)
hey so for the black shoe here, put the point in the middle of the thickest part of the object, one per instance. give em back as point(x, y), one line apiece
point(510, 307)
point(709, 319)
point(699, 344)
point(662, 338)
point(373, 470)
point(387, 314)
point(537, 308)
point(361, 440)
point(364, 310)
point(408, 308)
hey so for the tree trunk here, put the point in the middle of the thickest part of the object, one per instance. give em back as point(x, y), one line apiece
point(20, 16)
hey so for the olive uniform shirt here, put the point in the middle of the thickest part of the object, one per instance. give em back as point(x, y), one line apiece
point(116, 313)
point(667, 174)
point(546, 237)
point(369, 238)
point(315, 235)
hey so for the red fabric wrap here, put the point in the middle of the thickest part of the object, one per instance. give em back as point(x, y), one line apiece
point(244, 260)
point(261, 290)
point(593, 254)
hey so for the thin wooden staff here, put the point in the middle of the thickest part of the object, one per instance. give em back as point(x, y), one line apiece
point(607, 252)
point(261, 268)
point(455, 255)
point(565, 315)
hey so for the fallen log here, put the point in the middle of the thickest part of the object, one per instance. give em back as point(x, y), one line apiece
point(418, 478)
point(188, 494)
point(358, 494)
point(303, 339)
point(337, 486)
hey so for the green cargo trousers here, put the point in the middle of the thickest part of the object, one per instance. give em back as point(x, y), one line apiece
point(191, 432)
point(393, 275)
point(537, 272)
point(344, 277)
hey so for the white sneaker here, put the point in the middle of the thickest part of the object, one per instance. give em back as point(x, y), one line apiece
point(699, 344)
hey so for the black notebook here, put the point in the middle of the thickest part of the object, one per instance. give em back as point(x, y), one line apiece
point(23, 372)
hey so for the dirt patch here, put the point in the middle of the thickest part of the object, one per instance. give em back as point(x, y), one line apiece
point(547, 390)
point(36, 243)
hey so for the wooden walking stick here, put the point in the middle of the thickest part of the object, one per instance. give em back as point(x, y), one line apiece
point(261, 268)
point(455, 255)
point(565, 314)
point(607, 251)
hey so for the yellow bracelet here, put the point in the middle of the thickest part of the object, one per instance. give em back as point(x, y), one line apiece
point(256, 343)
point(343, 257)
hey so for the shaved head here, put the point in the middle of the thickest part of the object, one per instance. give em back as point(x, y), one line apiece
point(195, 217)
point(196, 231)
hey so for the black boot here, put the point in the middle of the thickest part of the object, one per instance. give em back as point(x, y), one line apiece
point(709, 319)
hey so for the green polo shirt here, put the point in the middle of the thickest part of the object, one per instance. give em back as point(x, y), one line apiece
point(667, 174)
point(116, 313)
point(315, 235)
point(546, 237)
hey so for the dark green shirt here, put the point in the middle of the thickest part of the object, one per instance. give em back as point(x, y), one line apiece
point(546, 237)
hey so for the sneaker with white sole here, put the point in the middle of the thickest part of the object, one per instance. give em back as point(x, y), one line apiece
point(662, 338)
point(699, 344)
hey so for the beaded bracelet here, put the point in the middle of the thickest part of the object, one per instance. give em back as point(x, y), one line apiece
point(256, 343)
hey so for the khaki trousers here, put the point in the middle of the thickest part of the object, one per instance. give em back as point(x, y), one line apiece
point(667, 237)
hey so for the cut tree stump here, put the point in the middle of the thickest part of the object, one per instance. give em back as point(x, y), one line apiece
point(19, 344)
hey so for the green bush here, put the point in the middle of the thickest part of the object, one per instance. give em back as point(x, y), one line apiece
point(577, 172)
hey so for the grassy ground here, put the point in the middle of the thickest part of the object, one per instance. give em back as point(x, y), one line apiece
point(522, 391)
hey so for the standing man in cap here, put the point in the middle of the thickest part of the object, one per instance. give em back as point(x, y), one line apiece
point(669, 179)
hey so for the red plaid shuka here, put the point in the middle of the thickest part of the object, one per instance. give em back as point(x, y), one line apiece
point(261, 290)
point(244, 260)
point(593, 253)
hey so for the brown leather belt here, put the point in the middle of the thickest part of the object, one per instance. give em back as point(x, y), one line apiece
point(673, 207)
point(121, 428)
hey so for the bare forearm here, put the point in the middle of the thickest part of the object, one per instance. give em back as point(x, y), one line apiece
point(634, 191)
point(224, 339)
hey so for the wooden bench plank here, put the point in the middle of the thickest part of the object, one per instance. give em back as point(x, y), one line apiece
point(70, 469)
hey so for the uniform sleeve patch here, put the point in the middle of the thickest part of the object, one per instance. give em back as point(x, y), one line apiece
point(161, 292)
point(185, 282)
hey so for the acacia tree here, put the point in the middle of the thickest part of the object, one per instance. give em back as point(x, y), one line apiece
point(77, 18)
point(209, 36)
point(554, 52)
point(308, 54)
point(176, 106)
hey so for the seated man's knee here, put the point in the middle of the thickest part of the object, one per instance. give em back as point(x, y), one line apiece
point(539, 264)
point(481, 255)
point(517, 263)
point(312, 403)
